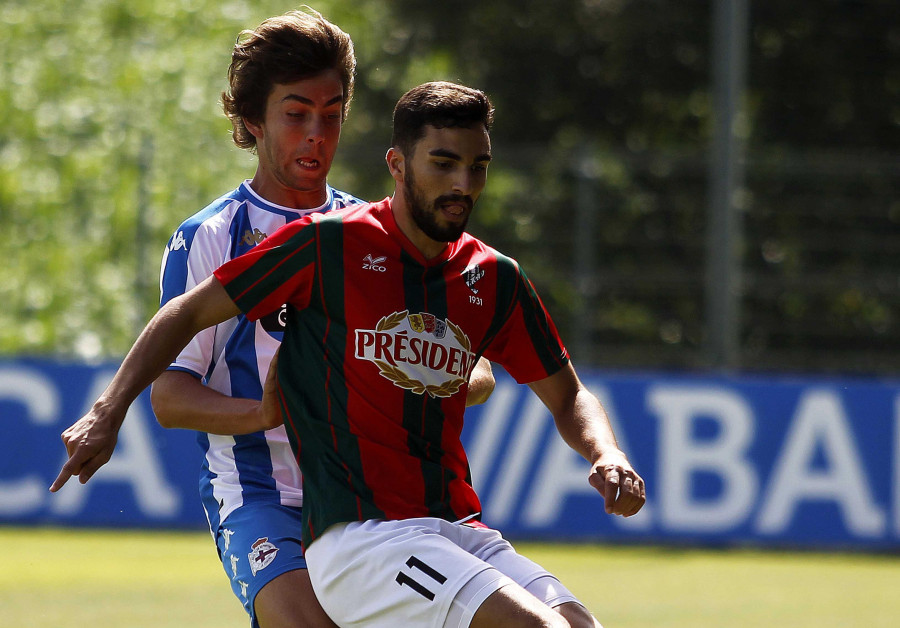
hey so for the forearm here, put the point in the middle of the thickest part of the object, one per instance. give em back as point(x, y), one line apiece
point(585, 427)
point(162, 339)
point(167, 333)
point(579, 416)
point(180, 400)
point(90, 441)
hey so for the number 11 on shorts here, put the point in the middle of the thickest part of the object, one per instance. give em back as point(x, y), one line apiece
point(406, 579)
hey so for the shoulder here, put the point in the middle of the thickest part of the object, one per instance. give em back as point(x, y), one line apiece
point(212, 219)
point(361, 213)
point(476, 251)
point(342, 199)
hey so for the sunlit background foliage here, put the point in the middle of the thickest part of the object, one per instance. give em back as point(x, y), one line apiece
point(113, 133)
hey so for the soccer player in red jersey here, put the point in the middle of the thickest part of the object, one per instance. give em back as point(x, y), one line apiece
point(290, 84)
point(389, 306)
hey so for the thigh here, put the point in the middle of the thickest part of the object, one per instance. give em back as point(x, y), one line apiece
point(288, 601)
point(257, 543)
point(389, 573)
point(491, 547)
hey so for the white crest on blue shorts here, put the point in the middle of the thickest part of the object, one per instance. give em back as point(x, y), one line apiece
point(262, 555)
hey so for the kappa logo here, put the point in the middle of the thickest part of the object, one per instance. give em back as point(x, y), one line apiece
point(234, 562)
point(178, 242)
point(374, 263)
point(418, 352)
point(472, 275)
point(253, 237)
point(262, 555)
point(243, 589)
point(226, 533)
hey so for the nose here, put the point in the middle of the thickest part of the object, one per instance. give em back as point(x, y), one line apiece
point(315, 132)
point(462, 183)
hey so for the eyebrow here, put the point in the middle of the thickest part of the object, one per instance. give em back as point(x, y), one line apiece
point(307, 101)
point(448, 154)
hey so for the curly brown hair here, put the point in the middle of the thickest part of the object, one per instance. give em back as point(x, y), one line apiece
point(283, 49)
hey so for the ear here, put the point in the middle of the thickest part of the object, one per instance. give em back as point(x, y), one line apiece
point(256, 130)
point(396, 163)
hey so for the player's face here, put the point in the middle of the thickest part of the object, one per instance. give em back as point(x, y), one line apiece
point(297, 140)
point(444, 177)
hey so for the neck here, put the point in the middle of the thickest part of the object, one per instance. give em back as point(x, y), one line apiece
point(403, 217)
point(275, 192)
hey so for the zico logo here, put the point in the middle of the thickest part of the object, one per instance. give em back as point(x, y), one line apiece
point(418, 352)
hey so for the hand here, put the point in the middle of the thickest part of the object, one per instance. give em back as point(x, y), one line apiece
point(622, 488)
point(89, 442)
point(270, 405)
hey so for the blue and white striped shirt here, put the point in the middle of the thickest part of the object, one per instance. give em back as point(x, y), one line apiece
point(233, 357)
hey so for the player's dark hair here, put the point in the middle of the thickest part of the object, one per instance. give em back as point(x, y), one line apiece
point(283, 49)
point(439, 104)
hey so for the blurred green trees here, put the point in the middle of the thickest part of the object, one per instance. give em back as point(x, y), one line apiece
point(113, 133)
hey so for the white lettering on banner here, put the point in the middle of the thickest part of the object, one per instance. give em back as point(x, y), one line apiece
point(820, 422)
point(564, 473)
point(490, 433)
point(135, 461)
point(725, 456)
point(529, 428)
point(41, 400)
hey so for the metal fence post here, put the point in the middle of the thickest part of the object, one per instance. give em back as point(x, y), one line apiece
point(726, 178)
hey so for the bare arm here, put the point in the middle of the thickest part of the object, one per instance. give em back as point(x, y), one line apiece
point(481, 383)
point(583, 424)
point(181, 400)
point(90, 440)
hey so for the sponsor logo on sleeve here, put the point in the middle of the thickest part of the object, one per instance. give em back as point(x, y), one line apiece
point(178, 242)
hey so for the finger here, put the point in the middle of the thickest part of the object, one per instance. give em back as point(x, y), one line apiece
point(636, 500)
point(69, 441)
point(72, 467)
point(90, 468)
point(611, 489)
point(625, 501)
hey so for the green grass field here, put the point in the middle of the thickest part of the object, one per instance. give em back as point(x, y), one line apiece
point(101, 579)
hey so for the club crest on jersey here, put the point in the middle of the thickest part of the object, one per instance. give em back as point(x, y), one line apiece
point(262, 555)
point(416, 352)
point(472, 275)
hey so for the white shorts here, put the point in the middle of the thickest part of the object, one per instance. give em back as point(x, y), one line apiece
point(410, 572)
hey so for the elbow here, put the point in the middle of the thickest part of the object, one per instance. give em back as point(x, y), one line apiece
point(160, 405)
point(480, 389)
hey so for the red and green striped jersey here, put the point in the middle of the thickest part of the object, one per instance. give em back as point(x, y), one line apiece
point(378, 348)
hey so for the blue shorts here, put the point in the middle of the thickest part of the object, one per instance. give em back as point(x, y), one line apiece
point(257, 543)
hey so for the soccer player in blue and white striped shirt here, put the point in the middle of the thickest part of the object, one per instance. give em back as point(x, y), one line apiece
point(290, 85)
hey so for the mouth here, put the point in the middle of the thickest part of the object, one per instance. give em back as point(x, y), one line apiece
point(455, 206)
point(308, 164)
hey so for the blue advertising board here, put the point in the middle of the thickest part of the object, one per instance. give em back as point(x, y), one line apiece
point(727, 460)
